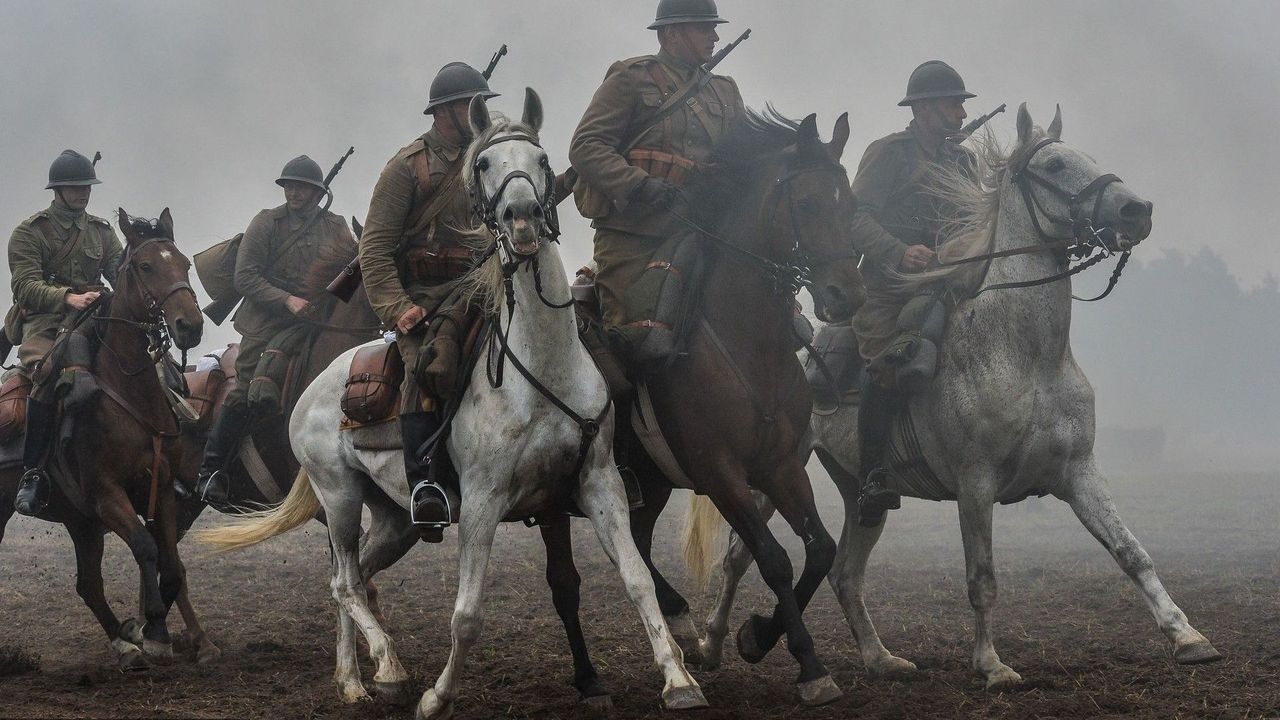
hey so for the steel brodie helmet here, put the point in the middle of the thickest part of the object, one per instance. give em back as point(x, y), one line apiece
point(675, 12)
point(934, 79)
point(457, 81)
point(304, 170)
point(71, 169)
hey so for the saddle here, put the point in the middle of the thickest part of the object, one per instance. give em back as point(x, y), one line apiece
point(834, 369)
point(13, 406)
point(208, 384)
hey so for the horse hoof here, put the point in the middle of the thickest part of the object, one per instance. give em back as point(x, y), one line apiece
point(818, 692)
point(685, 697)
point(891, 667)
point(431, 707)
point(352, 694)
point(598, 703)
point(395, 693)
point(1195, 653)
point(749, 646)
point(157, 651)
point(131, 631)
point(1003, 678)
point(129, 657)
point(710, 655)
point(208, 653)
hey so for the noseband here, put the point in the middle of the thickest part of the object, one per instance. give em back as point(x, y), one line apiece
point(1083, 225)
point(486, 207)
point(154, 327)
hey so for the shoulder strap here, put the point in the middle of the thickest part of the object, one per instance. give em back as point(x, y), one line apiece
point(673, 103)
point(659, 77)
point(426, 213)
point(69, 244)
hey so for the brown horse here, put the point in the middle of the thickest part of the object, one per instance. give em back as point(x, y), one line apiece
point(773, 215)
point(125, 442)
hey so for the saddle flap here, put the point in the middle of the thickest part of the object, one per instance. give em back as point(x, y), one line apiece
point(373, 384)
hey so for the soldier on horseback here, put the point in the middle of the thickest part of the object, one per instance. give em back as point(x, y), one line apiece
point(58, 259)
point(275, 253)
point(412, 253)
point(637, 143)
point(899, 224)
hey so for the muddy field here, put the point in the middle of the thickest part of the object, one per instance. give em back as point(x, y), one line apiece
point(1068, 621)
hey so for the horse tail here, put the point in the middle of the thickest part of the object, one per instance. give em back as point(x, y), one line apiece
point(703, 538)
point(299, 506)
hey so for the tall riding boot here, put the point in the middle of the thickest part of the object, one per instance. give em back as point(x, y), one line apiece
point(214, 485)
point(875, 418)
point(34, 487)
point(430, 508)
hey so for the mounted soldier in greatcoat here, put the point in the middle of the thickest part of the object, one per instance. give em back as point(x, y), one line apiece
point(630, 168)
point(899, 223)
point(413, 251)
point(58, 259)
point(275, 254)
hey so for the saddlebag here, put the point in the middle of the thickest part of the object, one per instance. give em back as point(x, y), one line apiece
point(13, 406)
point(373, 386)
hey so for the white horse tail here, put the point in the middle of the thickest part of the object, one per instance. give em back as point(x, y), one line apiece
point(299, 506)
point(703, 538)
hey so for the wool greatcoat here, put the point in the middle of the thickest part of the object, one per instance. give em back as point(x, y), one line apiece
point(627, 235)
point(397, 263)
point(897, 208)
point(40, 285)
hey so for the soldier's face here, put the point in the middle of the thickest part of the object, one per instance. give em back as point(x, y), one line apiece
point(946, 114)
point(300, 196)
point(76, 198)
point(693, 42)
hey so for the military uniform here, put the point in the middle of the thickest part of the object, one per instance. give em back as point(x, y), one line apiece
point(627, 233)
point(44, 270)
point(897, 208)
point(402, 268)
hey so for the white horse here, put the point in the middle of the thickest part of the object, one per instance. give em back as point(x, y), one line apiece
point(1010, 413)
point(516, 451)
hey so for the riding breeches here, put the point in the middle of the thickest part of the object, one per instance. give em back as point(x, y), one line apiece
point(621, 259)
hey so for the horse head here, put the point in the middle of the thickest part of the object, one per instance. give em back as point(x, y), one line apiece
point(510, 178)
point(154, 278)
point(812, 215)
point(1067, 195)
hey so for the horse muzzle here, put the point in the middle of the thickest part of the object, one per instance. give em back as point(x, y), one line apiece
point(525, 224)
point(186, 334)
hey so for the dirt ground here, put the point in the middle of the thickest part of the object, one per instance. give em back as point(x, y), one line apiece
point(1067, 620)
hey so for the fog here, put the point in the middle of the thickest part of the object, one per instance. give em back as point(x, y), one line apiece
point(196, 106)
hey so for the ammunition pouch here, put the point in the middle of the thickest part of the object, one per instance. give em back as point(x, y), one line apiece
point(13, 406)
point(448, 263)
point(672, 168)
point(915, 352)
point(13, 325)
point(592, 203)
point(835, 348)
point(657, 301)
point(373, 385)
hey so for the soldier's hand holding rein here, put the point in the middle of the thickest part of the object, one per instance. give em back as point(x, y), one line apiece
point(916, 258)
point(655, 193)
point(297, 305)
point(411, 319)
point(80, 301)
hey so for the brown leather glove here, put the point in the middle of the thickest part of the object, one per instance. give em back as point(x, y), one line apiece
point(655, 194)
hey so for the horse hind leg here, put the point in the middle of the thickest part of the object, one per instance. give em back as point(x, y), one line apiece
point(848, 572)
point(975, 505)
point(1092, 504)
point(737, 559)
point(389, 537)
point(564, 581)
point(603, 499)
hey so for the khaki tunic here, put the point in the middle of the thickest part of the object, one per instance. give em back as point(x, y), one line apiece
point(272, 264)
point(627, 235)
point(897, 208)
point(40, 287)
point(385, 242)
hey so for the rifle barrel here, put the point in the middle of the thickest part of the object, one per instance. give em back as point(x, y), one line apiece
point(724, 51)
point(337, 167)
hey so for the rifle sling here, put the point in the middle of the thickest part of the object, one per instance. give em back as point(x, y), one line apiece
point(67, 246)
point(673, 103)
point(422, 218)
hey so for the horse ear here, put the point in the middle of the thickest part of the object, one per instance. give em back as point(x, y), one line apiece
point(532, 110)
point(478, 115)
point(166, 223)
point(1025, 126)
point(126, 227)
point(808, 137)
point(839, 136)
point(1055, 127)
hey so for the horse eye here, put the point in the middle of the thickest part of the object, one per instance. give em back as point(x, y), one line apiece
point(544, 162)
point(144, 267)
point(482, 164)
point(1055, 165)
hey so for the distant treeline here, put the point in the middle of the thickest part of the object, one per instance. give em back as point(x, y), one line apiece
point(1182, 346)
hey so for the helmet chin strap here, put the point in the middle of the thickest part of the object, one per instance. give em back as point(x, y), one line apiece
point(464, 131)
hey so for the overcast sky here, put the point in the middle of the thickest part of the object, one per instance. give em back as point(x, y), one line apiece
point(197, 105)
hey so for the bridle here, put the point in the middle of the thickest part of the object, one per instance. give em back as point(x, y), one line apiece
point(155, 325)
point(485, 206)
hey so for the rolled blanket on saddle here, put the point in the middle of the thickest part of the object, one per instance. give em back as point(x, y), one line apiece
point(279, 371)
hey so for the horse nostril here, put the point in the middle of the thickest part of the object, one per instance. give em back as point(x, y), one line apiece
point(508, 215)
point(1135, 209)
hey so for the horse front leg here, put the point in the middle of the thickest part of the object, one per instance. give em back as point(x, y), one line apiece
point(736, 561)
point(604, 501)
point(675, 609)
point(196, 637)
point(479, 524)
point(88, 540)
point(117, 513)
point(564, 581)
point(975, 505)
point(848, 571)
point(1090, 499)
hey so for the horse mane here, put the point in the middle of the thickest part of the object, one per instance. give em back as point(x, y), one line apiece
point(148, 229)
point(483, 284)
point(973, 228)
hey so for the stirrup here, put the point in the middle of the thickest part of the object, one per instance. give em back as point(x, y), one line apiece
point(423, 493)
point(875, 498)
point(213, 489)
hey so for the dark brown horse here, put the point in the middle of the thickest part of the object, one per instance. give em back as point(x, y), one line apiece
point(125, 443)
point(773, 215)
